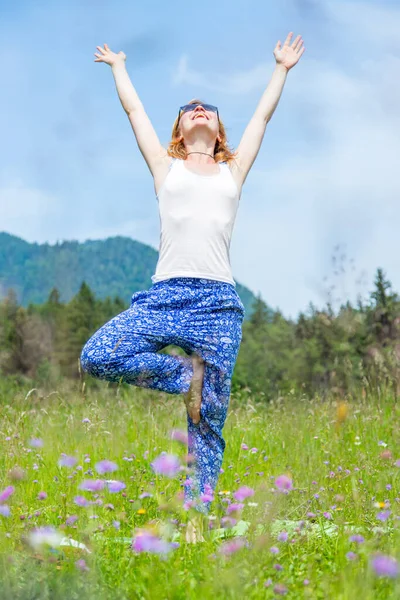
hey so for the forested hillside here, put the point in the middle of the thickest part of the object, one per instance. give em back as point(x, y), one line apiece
point(117, 266)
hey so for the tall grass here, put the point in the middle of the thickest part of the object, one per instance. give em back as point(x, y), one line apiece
point(342, 459)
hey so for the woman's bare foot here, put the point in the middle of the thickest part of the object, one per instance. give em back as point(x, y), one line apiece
point(193, 396)
point(194, 531)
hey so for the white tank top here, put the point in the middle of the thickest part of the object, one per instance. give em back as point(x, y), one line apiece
point(197, 215)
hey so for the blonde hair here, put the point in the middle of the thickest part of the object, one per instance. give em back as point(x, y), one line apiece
point(222, 152)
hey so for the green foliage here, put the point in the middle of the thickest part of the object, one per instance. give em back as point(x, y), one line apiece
point(355, 349)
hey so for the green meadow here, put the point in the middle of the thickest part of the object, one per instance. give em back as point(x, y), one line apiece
point(333, 532)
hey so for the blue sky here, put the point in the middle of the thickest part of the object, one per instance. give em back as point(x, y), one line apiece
point(327, 172)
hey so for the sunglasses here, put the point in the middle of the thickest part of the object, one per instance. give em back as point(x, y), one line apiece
point(189, 107)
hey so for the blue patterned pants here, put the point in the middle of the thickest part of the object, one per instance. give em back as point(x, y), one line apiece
point(201, 316)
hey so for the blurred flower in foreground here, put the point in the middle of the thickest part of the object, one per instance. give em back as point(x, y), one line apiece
point(243, 492)
point(90, 485)
point(5, 510)
point(145, 541)
point(166, 464)
point(351, 556)
point(232, 546)
point(283, 483)
point(179, 436)
point(106, 466)
point(358, 539)
point(36, 443)
point(384, 515)
point(81, 565)
point(384, 566)
point(234, 508)
point(44, 536)
point(67, 461)
point(81, 501)
point(5, 494)
point(115, 486)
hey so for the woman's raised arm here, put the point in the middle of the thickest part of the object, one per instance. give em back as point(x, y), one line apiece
point(286, 57)
point(149, 144)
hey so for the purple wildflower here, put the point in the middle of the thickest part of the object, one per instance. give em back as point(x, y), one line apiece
point(244, 447)
point(397, 463)
point(358, 539)
point(283, 483)
point(90, 485)
point(36, 443)
point(81, 565)
point(166, 464)
point(145, 541)
point(207, 498)
point(383, 515)
point(227, 522)
point(327, 515)
point(85, 420)
point(42, 495)
point(67, 461)
point(274, 550)
point(145, 495)
point(351, 556)
point(280, 589)
point(71, 520)
point(278, 567)
point(234, 508)
point(81, 501)
point(5, 494)
point(5, 510)
point(115, 486)
point(116, 524)
point(232, 546)
point(283, 536)
point(385, 566)
point(179, 436)
point(105, 466)
point(243, 492)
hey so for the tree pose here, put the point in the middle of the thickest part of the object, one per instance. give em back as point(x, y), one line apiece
point(192, 302)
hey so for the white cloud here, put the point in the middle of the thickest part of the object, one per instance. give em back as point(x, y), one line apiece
point(375, 22)
point(346, 191)
point(28, 213)
point(240, 82)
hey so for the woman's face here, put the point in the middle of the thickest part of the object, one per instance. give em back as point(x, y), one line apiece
point(199, 123)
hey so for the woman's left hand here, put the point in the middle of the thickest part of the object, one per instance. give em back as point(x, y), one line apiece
point(288, 56)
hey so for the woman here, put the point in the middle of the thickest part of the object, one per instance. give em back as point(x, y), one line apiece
point(192, 302)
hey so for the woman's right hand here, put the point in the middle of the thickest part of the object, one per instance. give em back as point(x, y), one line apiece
point(109, 57)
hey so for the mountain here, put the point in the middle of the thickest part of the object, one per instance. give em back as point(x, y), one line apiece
point(117, 266)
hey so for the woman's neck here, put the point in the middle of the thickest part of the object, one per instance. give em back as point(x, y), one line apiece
point(201, 155)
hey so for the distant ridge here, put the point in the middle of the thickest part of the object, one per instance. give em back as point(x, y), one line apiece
point(116, 266)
